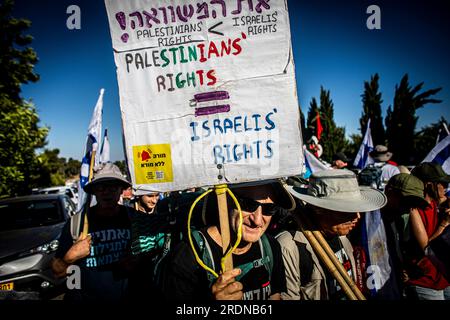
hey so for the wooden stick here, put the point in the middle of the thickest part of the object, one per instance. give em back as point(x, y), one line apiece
point(224, 224)
point(329, 264)
point(326, 259)
point(318, 235)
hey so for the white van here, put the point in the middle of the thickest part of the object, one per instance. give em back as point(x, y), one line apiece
point(60, 190)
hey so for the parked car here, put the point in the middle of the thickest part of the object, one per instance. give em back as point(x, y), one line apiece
point(30, 227)
point(69, 191)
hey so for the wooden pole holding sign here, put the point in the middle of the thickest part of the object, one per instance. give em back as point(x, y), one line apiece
point(224, 223)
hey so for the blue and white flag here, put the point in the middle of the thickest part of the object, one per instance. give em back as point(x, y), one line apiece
point(104, 152)
point(363, 158)
point(92, 142)
point(441, 154)
point(312, 164)
point(381, 279)
point(442, 134)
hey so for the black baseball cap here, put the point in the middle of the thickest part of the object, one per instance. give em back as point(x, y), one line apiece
point(340, 156)
point(430, 171)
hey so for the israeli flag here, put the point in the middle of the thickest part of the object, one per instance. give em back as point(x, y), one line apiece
point(93, 137)
point(441, 154)
point(381, 280)
point(363, 159)
point(104, 152)
point(312, 163)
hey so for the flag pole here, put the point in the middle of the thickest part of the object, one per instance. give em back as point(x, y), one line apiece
point(327, 256)
point(318, 235)
point(332, 268)
point(87, 165)
point(88, 202)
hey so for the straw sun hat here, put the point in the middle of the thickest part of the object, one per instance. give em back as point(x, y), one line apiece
point(104, 173)
point(381, 153)
point(338, 190)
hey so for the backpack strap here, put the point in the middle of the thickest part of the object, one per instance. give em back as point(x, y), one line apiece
point(266, 259)
point(205, 253)
point(207, 256)
point(267, 252)
point(306, 265)
point(246, 267)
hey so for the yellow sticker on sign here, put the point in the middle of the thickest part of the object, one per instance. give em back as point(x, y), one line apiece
point(152, 163)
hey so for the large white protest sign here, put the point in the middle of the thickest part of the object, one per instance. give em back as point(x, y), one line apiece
point(207, 91)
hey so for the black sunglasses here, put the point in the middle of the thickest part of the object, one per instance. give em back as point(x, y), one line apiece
point(250, 205)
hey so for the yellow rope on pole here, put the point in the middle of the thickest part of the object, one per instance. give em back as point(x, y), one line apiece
point(197, 258)
point(239, 231)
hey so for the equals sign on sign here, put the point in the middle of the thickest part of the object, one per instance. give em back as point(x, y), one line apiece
point(209, 97)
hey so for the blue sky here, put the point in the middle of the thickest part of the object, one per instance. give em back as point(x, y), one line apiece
point(331, 43)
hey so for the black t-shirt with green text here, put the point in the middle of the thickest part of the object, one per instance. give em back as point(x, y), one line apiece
point(103, 273)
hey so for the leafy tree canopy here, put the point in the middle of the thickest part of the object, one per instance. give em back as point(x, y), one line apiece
point(20, 134)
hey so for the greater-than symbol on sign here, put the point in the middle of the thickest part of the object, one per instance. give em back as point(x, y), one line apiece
point(210, 29)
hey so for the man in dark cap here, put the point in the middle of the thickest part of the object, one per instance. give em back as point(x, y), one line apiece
point(100, 250)
point(340, 161)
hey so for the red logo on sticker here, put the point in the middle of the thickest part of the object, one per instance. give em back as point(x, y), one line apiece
point(145, 155)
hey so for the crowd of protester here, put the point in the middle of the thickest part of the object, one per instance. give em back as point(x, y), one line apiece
point(340, 234)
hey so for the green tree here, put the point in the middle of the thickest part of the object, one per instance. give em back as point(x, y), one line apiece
point(16, 60)
point(302, 123)
point(311, 122)
point(371, 99)
point(333, 137)
point(122, 166)
point(401, 120)
point(72, 168)
point(20, 134)
point(50, 171)
point(353, 146)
